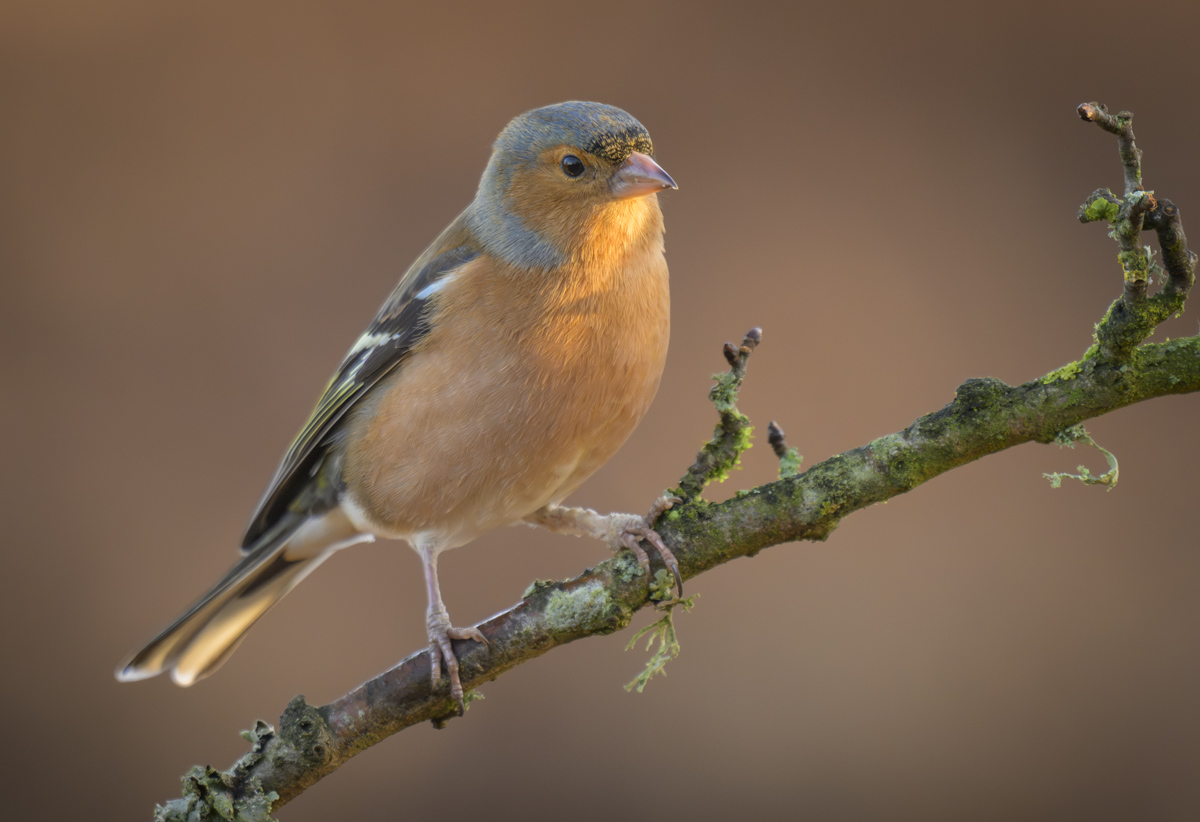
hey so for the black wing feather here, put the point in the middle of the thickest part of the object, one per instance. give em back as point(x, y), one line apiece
point(399, 325)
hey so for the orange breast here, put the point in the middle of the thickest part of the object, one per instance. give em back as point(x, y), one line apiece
point(527, 384)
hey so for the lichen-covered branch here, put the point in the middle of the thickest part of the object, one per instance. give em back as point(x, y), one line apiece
point(985, 416)
point(1133, 316)
point(1178, 260)
point(731, 437)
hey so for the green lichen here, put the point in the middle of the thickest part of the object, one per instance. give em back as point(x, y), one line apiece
point(210, 795)
point(1100, 208)
point(689, 516)
point(536, 586)
point(1135, 265)
point(1068, 372)
point(900, 463)
point(662, 630)
point(727, 457)
point(789, 463)
point(882, 447)
point(589, 608)
point(661, 586)
point(626, 567)
point(724, 394)
point(1068, 437)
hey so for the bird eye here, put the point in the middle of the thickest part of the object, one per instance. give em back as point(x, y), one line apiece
point(572, 166)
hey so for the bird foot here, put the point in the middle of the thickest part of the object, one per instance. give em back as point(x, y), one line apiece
point(633, 529)
point(618, 530)
point(440, 650)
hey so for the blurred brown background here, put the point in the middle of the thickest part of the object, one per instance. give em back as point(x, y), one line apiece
point(201, 204)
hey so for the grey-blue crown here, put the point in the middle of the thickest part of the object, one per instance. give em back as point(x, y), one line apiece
point(605, 131)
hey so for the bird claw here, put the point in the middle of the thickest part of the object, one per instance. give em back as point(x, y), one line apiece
point(441, 632)
point(661, 506)
point(639, 529)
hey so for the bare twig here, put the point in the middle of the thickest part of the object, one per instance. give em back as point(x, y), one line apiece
point(1122, 126)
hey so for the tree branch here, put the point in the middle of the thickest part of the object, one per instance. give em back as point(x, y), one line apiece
point(985, 416)
point(1133, 316)
point(1122, 126)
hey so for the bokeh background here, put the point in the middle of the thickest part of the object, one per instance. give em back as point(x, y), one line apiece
point(202, 203)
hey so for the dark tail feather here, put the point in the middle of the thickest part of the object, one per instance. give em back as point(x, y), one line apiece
point(202, 639)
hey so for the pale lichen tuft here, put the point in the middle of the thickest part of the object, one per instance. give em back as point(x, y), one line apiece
point(1068, 437)
point(588, 608)
point(662, 630)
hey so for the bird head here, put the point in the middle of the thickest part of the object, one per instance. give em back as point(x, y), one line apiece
point(565, 177)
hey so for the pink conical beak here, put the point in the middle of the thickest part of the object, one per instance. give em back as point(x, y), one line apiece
point(639, 176)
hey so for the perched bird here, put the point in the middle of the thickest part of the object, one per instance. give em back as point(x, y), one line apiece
point(512, 360)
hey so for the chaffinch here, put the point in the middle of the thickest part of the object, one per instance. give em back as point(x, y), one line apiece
point(512, 360)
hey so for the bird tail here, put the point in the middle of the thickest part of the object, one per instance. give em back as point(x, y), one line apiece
point(202, 639)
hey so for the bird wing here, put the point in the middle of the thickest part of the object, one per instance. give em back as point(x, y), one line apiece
point(399, 325)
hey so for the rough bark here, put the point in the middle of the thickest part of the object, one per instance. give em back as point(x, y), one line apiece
point(986, 416)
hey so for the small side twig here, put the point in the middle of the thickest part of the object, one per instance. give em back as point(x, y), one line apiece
point(732, 435)
point(789, 458)
point(1121, 125)
point(1134, 316)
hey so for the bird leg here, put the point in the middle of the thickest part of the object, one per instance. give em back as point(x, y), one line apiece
point(437, 621)
point(618, 530)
